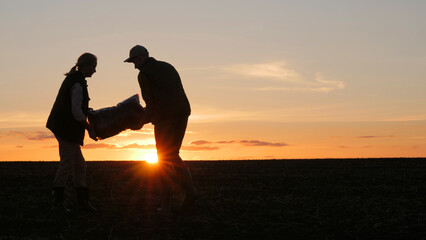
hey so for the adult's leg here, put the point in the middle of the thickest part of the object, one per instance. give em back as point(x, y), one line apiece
point(169, 137)
point(79, 169)
point(81, 188)
point(162, 133)
point(182, 171)
point(64, 171)
point(67, 153)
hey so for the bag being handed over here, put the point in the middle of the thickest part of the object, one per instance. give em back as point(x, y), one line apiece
point(110, 121)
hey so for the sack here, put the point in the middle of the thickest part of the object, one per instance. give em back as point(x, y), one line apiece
point(110, 121)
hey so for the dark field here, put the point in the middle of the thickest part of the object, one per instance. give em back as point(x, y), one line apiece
point(282, 199)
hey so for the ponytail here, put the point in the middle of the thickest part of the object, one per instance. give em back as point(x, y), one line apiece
point(84, 59)
point(72, 71)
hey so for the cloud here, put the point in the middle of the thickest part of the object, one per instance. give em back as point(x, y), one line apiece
point(139, 146)
point(273, 70)
point(143, 131)
point(99, 145)
point(200, 142)
point(115, 146)
point(370, 136)
point(257, 143)
point(40, 136)
point(32, 135)
point(250, 143)
point(288, 79)
point(354, 146)
point(198, 145)
point(226, 142)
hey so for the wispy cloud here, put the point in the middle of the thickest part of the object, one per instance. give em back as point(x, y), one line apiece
point(256, 143)
point(226, 142)
point(371, 136)
point(249, 143)
point(116, 146)
point(272, 70)
point(39, 136)
point(100, 145)
point(137, 146)
point(31, 135)
point(142, 131)
point(200, 142)
point(199, 145)
point(204, 145)
point(148, 146)
point(288, 79)
point(354, 146)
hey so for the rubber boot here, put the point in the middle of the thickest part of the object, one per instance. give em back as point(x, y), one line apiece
point(165, 196)
point(83, 203)
point(190, 192)
point(58, 200)
point(165, 193)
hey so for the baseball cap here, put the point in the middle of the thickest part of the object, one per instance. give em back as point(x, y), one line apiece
point(137, 50)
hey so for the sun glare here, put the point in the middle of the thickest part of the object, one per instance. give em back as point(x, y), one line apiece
point(151, 158)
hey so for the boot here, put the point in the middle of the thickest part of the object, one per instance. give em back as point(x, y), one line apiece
point(58, 199)
point(165, 200)
point(165, 194)
point(83, 203)
point(191, 194)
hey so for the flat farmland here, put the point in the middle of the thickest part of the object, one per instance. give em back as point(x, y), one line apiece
point(265, 199)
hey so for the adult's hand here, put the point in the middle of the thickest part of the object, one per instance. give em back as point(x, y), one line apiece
point(92, 134)
point(90, 130)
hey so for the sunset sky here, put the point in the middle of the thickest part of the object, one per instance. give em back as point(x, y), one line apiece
point(266, 79)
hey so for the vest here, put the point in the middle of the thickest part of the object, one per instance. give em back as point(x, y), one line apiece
point(61, 121)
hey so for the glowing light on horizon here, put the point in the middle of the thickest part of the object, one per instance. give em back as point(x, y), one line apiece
point(150, 158)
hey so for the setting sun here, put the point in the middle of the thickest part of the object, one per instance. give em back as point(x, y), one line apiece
point(150, 158)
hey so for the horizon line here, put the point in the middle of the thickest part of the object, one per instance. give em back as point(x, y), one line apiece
point(231, 160)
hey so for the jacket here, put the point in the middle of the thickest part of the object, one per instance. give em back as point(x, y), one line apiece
point(162, 91)
point(61, 121)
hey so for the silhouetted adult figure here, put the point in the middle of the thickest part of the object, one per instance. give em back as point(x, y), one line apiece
point(67, 120)
point(168, 109)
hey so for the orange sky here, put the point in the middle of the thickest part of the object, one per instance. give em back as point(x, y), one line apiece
point(239, 141)
point(266, 79)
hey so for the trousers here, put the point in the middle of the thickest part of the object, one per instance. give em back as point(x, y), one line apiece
point(72, 163)
point(168, 139)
